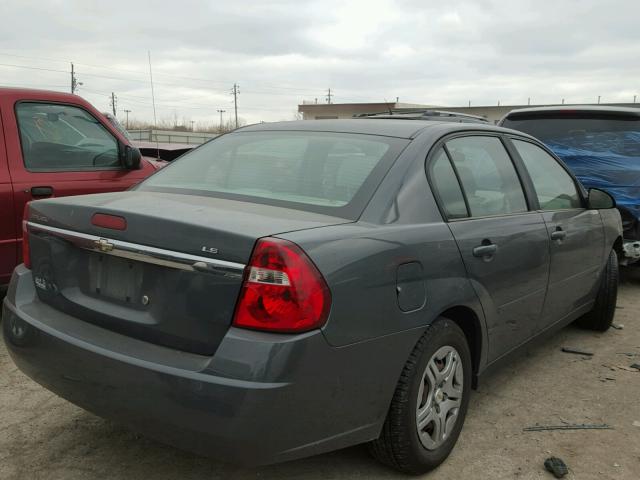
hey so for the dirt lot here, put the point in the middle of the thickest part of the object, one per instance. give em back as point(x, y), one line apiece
point(42, 436)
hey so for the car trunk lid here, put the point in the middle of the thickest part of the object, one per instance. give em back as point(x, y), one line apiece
point(171, 277)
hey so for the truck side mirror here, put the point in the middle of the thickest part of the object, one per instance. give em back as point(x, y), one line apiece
point(131, 158)
point(599, 199)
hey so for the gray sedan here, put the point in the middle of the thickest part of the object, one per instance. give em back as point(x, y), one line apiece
point(294, 288)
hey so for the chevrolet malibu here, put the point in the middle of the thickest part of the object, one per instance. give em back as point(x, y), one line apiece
point(294, 288)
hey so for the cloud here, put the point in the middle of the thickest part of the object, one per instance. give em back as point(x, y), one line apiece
point(284, 51)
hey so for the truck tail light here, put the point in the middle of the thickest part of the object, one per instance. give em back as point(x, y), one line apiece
point(283, 291)
point(26, 254)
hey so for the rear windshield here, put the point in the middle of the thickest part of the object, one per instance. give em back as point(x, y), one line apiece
point(600, 133)
point(333, 173)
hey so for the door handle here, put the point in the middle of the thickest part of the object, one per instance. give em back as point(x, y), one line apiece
point(485, 251)
point(41, 191)
point(558, 234)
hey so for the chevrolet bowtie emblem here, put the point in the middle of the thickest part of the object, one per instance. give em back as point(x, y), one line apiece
point(103, 245)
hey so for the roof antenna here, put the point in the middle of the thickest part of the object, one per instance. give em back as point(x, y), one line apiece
point(153, 101)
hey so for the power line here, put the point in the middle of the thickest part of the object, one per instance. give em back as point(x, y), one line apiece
point(141, 72)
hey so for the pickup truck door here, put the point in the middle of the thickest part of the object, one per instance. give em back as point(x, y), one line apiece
point(56, 150)
point(8, 240)
point(576, 235)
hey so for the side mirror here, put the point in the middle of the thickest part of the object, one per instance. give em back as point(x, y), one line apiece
point(131, 158)
point(599, 199)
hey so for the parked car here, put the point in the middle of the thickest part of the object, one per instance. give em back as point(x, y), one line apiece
point(55, 144)
point(601, 145)
point(294, 288)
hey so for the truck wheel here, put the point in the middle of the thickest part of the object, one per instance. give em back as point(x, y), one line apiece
point(430, 402)
point(601, 316)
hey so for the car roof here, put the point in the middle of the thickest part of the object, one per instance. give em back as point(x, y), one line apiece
point(382, 127)
point(596, 109)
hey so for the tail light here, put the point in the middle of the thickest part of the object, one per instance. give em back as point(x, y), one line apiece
point(283, 291)
point(26, 254)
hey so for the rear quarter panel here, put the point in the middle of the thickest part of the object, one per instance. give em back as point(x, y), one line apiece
point(360, 264)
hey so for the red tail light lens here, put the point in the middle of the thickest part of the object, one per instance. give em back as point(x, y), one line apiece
point(283, 291)
point(26, 254)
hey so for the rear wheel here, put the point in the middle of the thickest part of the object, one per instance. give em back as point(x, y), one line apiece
point(601, 316)
point(430, 402)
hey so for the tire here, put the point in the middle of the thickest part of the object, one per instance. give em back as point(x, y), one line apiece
point(601, 316)
point(400, 445)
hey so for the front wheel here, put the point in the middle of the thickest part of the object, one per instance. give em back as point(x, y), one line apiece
point(430, 402)
point(601, 317)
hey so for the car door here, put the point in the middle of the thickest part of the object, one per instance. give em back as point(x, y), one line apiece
point(576, 233)
point(503, 243)
point(8, 237)
point(57, 150)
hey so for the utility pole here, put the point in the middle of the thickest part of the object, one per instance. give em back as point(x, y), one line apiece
point(74, 81)
point(529, 101)
point(221, 112)
point(634, 98)
point(127, 112)
point(598, 99)
point(114, 103)
point(329, 96)
point(236, 92)
point(192, 122)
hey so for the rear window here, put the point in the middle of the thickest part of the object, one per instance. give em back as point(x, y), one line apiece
point(332, 173)
point(582, 132)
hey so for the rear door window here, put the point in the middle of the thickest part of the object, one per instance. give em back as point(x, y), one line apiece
point(554, 187)
point(489, 179)
point(64, 138)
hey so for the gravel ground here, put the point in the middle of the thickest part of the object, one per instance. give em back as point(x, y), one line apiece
point(43, 436)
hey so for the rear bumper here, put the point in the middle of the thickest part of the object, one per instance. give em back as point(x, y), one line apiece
point(262, 398)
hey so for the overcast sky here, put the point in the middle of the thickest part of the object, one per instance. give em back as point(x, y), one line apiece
point(282, 52)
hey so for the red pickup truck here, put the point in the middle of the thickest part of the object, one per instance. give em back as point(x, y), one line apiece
point(56, 144)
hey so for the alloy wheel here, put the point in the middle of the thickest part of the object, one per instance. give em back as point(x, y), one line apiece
point(439, 397)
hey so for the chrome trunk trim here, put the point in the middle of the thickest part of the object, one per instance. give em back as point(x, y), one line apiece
point(143, 253)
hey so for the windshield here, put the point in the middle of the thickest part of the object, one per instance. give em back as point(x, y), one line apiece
point(595, 134)
point(325, 172)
